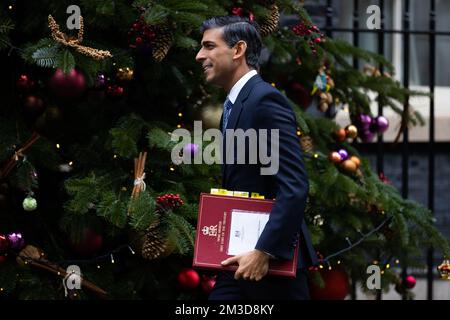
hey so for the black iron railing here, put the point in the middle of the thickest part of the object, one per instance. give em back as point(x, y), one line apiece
point(406, 33)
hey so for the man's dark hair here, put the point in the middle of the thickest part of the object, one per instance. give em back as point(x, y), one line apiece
point(235, 29)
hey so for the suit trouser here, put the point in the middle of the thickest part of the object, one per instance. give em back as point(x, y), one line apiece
point(273, 288)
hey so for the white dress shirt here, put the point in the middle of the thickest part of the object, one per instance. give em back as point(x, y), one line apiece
point(234, 92)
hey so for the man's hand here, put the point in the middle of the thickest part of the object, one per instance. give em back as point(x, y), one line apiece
point(253, 265)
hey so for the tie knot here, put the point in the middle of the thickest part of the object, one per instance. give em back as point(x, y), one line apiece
point(228, 104)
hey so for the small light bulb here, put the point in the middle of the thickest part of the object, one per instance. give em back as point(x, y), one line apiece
point(321, 266)
point(59, 273)
point(382, 272)
point(316, 155)
point(115, 156)
point(132, 252)
point(10, 7)
point(329, 268)
point(70, 163)
point(58, 146)
point(180, 114)
point(112, 258)
point(375, 262)
point(178, 125)
point(98, 266)
point(172, 169)
point(299, 133)
point(397, 261)
point(1, 289)
point(273, 84)
point(339, 262)
point(388, 266)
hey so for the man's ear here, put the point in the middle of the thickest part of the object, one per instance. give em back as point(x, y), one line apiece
point(240, 49)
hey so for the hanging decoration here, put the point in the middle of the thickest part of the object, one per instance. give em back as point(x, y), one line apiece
point(75, 43)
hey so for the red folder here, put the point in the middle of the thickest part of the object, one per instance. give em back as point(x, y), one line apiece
point(213, 233)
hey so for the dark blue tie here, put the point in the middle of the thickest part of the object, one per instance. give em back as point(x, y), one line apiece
point(226, 113)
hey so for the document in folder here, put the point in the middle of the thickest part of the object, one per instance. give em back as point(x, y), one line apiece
point(228, 226)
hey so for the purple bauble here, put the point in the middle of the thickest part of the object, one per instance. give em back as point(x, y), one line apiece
point(366, 135)
point(343, 153)
point(382, 124)
point(16, 241)
point(100, 80)
point(365, 121)
point(191, 149)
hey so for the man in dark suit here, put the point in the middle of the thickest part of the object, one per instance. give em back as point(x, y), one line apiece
point(230, 50)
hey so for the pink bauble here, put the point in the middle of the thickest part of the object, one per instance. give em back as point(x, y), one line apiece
point(67, 86)
point(410, 282)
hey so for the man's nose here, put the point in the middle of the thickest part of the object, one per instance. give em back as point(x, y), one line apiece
point(200, 55)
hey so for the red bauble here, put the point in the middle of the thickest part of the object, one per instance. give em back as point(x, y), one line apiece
point(188, 279)
point(67, 86)
point(208, 283)
point(114, 91)
point(410, 282)
point(336, 285)
point(90, 243)
point(24, 83)
point(33, 105)
point(4, 243)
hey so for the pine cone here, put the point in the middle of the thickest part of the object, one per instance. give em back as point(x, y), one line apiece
point(162, 43)
point(154, 244)
point(307, 144)
point(270, 24)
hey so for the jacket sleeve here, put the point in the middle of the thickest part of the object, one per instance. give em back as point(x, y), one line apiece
point(282, 230)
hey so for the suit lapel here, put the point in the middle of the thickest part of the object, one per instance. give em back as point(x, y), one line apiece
point(243, 95)
point(235, 115)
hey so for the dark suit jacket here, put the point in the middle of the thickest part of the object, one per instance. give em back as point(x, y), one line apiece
point(261, 106)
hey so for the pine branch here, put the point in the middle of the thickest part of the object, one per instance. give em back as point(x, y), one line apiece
point(46, 57)
point(65, 61)
point(112, 209)
point(142, 211)
point(182, 231)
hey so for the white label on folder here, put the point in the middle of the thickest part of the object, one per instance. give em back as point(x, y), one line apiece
point(245, 229)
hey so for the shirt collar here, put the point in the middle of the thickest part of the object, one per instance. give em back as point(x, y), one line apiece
point(234, 92)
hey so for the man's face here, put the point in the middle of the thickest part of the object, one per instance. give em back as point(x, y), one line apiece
point(216, 58)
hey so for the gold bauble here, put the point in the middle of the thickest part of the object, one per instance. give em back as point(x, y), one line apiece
point(352, 131)
point(349, 166)
point(356, 160)
point(125, 74)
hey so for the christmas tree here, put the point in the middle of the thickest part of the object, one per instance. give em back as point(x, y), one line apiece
point(87, 178)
